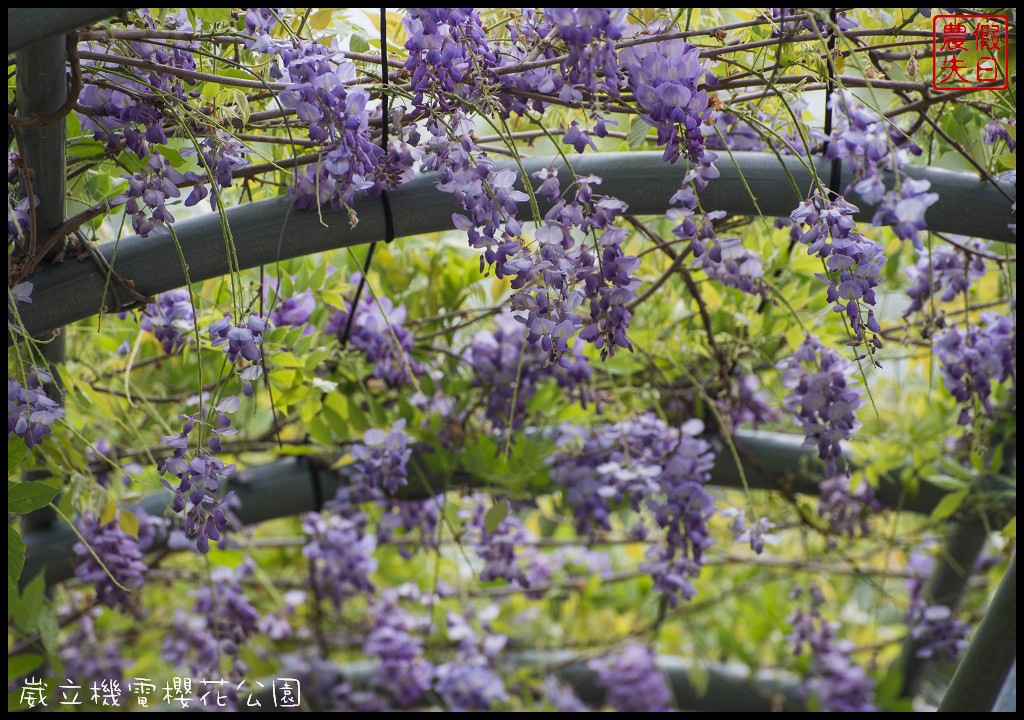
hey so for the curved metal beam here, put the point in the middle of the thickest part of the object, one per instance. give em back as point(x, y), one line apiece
point(271, 230)
point(28, 25)
point(770, 461)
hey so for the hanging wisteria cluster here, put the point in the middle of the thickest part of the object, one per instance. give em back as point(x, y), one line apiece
point(839, 683)
point(588, 383)
point(651, 466)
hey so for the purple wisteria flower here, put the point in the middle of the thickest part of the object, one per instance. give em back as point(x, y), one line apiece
point(665, 77)
point(30, 411)
point(562, 697)
point(22, 292)
point(757, 534)
point(340, 553)
point(220, 156)
point(222, 621)
point(378, 331)
point(644, 462)
point(19, 217)
point(148, 192)
point(119, 552)
point(84, 655)
point(971, 361)
point(839, 684)
point(996, 130)
point(587, 68)
point(324, 685)
point(509, 370)
point(171, 319)
point(730, 263)
point(205, 515)
point(746, 403)
point(904, 209)
point(853, 262)
point(449, 54)
point(396, 640)
point(239, 341)
point(469, 686)
point(632, 680)
point(846, 510)
point(939, 634)
point(242, 342)
point(294, 311)
point(946, 270)
point(723, 259)
point(336, 112)
point(497, 547)
point(561, 270)
point(380, 461)
point(132, 113)
point(872, 145)
point(730, 132)
point(822, 399)
point(419, 516)
point(469, 683)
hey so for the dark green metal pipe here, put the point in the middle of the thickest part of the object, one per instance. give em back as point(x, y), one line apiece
point(291, 486)
point(26, 26)
point(991, 654)
point(271, 230)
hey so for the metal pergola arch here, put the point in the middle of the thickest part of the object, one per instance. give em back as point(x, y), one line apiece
point(270, 230)
point(750, 184)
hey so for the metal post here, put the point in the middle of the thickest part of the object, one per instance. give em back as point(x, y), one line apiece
point(42, 88)
point(991, 654)
point(274, 231)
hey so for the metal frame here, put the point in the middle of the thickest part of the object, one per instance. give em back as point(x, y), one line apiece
point(770, 461)
point(271, 230)
point(29, 25)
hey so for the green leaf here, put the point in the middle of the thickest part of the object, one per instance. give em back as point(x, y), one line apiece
point(48, 628)
point(333, 299)
point(25, 497)
point(889, 686)
point(335, 411)
point(16, 454)
point(319, 430)
point(319, 278)
point(494, 516)
point(21, 665)
point(357, 43)
point(946, 482)
point(1010, 531)
point(15, 557)
point(129, 522)
point(26, 613)
point(949, 504)
point(637, 132)
point(287, 360)
point(321, 19)
point(212, 15)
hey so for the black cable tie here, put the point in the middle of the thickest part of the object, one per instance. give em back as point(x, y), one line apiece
point(318, 490)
